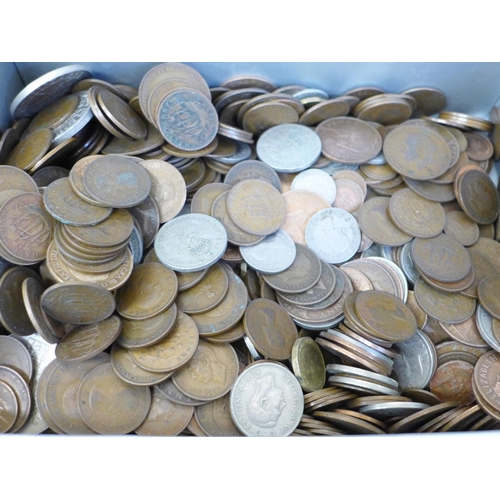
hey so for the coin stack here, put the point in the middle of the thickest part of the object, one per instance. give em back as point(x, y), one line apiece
point(317, 265)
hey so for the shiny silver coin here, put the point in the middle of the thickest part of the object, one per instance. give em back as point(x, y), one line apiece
point(318, 182)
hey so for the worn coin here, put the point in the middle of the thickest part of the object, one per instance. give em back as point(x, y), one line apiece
point(9, 407)
point(308, 364)
point(461, 228)
point(21, 390)
point(453, 382)
point(487, 292)
point(14, 354)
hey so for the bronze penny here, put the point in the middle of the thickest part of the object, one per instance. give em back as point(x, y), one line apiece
point(265, 115)
point(487, 382)
point(467, 332)
point(482, 267)
point(441, 258)
point(349, 140)
point(61, 201)
point(210, 373)
point(9, 407)
point(301, 276)
point(108, 405)
point(453, 382)
point(330, 108)
point(146, 332)
point(417, 152)
point(206, 294)
point(444, 306)
point(13, 315)
point(349, 196)
point(25, 228)
point(78, 303)
point(375, 222)
point(130, 146)
point(14, 354)
point(270, 329)
point(231, 335)
point(415, 215)
point(76, 179)
point(54, 114)
point(487, 291)
point(85, 342)
point(187, 280)
point(21, 390)
point(203, 200)
point(490, 249)
point(150, 290)
point(165, 418)
point(386, 315)
point(8, 141)
point(13, 178)
point(31, 149)
point(479, 147)
point(117, 181)
point(461, 228)
point(256, 207)
point(214, 418)
point(172, 351)
point(431, 191)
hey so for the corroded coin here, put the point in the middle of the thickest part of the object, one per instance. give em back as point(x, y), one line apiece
point(206, 294)
point(150, 290)
point(256, 207)
point(108, 405)
point(461, 228)
point(117, 181)
point(78, 303)
point(187, 119)
point(349, 140)
point(333, 234)
point(85, 342)
point(415, 215)
point(210, 373)
point(25, 228)
point(453, 382)
point(487, 292)
point(171, 352)
point(266, 401)
point(146, 332)
point(54, 114)
point(168, 188)
point(61, 201)
point(270, 329)
point(164, 418)
point(308, 364)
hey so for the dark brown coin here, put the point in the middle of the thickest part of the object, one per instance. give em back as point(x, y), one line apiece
point(270, 329)
point(13, 315)
point(78, 303)
point(453, 382)
point(487, 291)
point(108, 405)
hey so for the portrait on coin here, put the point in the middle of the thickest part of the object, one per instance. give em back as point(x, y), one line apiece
point(266, 403)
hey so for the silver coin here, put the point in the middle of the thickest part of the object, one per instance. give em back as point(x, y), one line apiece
point(333, 234)
point(318, 326)
point(377, 160)
point(190, 242)
point(275, 253)
point(407, 264)
point(484, 322)
point(399, 409)
point(80, 117)
point(251, 348)
point(266, 400)
point(243, 152)
point(306, 93)
point(400, 275)
point(187, 119)
point(417, 362)
point(44, 90)
point(361, 386)
point(318, 182)
point(42, 353)
point(289, 148)
point(333, 369)
point(136, 246)
point(252, 169)
point(374, 250)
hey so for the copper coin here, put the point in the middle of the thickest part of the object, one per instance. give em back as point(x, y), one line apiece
point(467, 332)
point(31, 149)
point(487, 292)
point(78, 303)
point(14, 354)
point(215, 419)
point(461, 228)
point(15, 178)
point(22, 392)
point(9, 407)
point(479, 147)
point(150, 290)
point(453, 382)
point(350, 195)
point(204, 198)
point(108, 405)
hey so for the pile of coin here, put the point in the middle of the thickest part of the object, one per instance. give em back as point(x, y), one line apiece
point(245, 260)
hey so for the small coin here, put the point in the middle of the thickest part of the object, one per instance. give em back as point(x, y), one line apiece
point(9, 407)
point(350, 195)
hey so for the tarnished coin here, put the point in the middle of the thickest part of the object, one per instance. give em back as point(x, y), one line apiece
point(117, 181)
point(429, 100)
point(14, 178)
point(486, 382)
point(14, 354)
point(431, 190)
point(54, 114)
point(215, 419)
point(9, 407)
point(375, 222)
point(487, 292)
point(190, 242)
point(168, 188)
point(78, 303)
point(21, 390)
point(289, 147)
point(31, 149)
point(466, 333)
point(350, 195)
point(415, 215)
point(349, 140)
point(164, 418)
point(204, 198)
point(417, 152)
point(206, 294)
point(210, 373)
point(252, 169)
point(13, 315)
point(479, 147)
point(270, 329)
point(46, 175)
point(461, 228)
point(150, 290)
point(266, 401)
point(25, 228)
point(146, 332)
point(187, 119)
point(274, 254)
point(85, 342)
point(61, 201)
point(46, 89)
point(265, 115)
point(441, 258)
point(453, 382)
point(333, 234)
point(308, 364)
point(108, 405)
point(173, 351)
